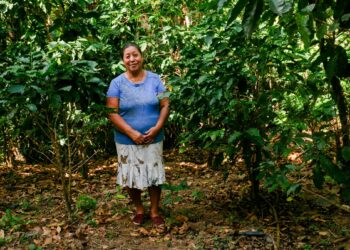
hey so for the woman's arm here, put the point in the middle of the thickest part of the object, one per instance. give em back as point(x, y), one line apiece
point(120, 123)
point(163, 116)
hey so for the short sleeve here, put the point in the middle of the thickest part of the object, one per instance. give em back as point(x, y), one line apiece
point(114, 89)
point(160, 86)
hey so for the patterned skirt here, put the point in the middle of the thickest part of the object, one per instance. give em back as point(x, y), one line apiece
point(140, 166)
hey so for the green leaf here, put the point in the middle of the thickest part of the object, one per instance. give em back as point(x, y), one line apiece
point(236, 11)
point(345, 17)
point(16, 89)
point(345, 152)
point(321, 31)
point(295, 188)
point(32, 107)
point(38, 89)
point(309, 8)
point(221, 4)
point(233, 137)
point(280, 7)
point(66, 88)
point(302, 22)
point(252, 15)
point(56, 101)
point(95, 80)
point(202, 79)
point(120, 196)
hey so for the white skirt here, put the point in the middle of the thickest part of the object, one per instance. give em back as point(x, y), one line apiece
point(140, 166)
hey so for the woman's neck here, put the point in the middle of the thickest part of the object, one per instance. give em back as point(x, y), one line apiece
point(136, 77)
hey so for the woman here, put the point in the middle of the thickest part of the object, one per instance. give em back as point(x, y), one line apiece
point(139, 117)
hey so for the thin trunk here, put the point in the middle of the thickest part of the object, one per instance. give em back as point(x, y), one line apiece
point(59, 164)
point(339, 99)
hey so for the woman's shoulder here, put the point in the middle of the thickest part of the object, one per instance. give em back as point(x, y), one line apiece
point(151, 74)
point(118, 78)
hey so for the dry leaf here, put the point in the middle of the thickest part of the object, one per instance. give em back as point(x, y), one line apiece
point(2, 233)
point(184, 228)
point(47, 241)
point(46, 231)
point(134, 234)
point(37, 242)
point(323, 233)
point(181, 218)
point(143, 231)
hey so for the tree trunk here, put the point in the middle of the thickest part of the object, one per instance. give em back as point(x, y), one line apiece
point(338, 98)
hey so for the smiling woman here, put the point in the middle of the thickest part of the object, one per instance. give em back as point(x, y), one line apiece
point(139, 117)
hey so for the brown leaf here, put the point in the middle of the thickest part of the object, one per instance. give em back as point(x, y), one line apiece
point(143, 231)
point(80, 232)
point(47, 241)
point(184, 228)
point(2, 233)
point(134, 234)
point(46, 231)
point(37, 229)
point(323, 233)
point(181, 218)
point(37, 242)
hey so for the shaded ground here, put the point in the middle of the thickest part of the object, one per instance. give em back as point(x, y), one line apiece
point(210, 214)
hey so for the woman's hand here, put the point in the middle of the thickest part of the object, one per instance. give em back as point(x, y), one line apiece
point(137, 137)
point(151, 134)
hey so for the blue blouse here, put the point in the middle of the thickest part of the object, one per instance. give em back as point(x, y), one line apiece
point(138, 104)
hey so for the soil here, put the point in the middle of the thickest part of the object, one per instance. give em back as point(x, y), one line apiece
point(203, 209)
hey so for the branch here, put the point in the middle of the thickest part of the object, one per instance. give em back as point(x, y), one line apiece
point(342, 207)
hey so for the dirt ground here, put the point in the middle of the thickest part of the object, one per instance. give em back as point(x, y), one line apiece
point(203, 210)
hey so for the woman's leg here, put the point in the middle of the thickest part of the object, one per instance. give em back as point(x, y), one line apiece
point(154, 193)
point(135, 195)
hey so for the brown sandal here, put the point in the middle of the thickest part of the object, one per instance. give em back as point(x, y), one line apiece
point(138, 219)
point(158, 221)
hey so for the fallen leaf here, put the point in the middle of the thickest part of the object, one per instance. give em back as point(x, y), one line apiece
point(46, 231)
point(143, 231)
point(134, 234)
point(2, 233)
point(184, 228)
point(181, 218)
point(323, 233)
point(47, 241)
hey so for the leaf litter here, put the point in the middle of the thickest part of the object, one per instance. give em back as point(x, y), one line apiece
point(212, 213)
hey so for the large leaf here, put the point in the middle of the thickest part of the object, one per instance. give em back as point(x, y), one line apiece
point(303, 22)
point(280, 6)
point(236, 11)
point(16, 89)
point(252, 15)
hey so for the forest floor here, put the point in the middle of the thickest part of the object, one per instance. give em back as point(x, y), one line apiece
point(211, 213)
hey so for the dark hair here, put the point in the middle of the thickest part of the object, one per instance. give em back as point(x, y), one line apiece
point(127, 45)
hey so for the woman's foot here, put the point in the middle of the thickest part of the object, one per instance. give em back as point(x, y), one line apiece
point(138, 219)
point(158, 221)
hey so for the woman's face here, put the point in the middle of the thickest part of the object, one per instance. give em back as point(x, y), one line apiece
point(132, 59)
